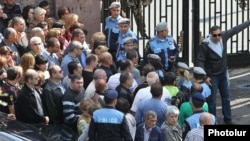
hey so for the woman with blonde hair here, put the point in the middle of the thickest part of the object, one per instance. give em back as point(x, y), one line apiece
point(183, 81)
point(54, 32)
point(87, 107)
point(99, 50)
point(98, 38)
point(71, 23)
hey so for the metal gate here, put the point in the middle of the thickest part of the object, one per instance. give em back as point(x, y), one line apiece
point(189, 22)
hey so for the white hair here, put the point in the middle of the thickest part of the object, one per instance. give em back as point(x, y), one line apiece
point(35, 39)
point(152, 77)
point(171, 109)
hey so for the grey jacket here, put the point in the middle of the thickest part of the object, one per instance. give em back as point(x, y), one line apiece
point(170, 133)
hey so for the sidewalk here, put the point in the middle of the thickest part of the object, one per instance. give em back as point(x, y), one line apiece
point(240, 96)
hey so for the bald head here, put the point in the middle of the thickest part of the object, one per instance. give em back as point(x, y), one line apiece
point(105, 56)
point(152, 78)
point(100, 85)
point(206, 119)
point(30, 74)
point(99, 74)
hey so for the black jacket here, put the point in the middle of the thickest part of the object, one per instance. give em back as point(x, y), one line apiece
point(52, 99)
point(26, 107)
point(210, 61)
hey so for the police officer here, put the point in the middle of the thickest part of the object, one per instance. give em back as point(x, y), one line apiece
point(108, 123)
point(124, 27)
point(111, 27)
point(128, 44)
point(163, 45)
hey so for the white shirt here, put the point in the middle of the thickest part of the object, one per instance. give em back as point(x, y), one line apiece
point(145, 93)
point(114, 81)
point(90, 90)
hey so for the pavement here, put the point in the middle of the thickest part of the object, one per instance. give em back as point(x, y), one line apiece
point(240, 96)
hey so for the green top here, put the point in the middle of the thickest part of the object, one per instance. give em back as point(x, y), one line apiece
point(173, 90)
point(186, 110)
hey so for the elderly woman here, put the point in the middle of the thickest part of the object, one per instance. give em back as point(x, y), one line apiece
point(39, 16)
point(171, 129)
point(35, 46)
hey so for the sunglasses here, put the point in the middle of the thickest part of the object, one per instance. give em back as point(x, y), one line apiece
point(217, 35)
point(81, 48)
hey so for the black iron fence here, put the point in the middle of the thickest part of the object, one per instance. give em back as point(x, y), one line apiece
point(189, 23)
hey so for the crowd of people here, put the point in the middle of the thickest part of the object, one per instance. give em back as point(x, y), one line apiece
point(53, 76)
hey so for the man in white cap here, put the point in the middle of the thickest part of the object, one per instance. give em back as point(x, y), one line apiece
point(128, 44)
point(124, 27)
point(163, 45)
point(199, 77)
point(111, 27)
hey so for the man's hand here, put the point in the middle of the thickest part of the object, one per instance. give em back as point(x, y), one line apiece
point(11, 116)
point(208, 81)
point(46, 120)
point(171, 59)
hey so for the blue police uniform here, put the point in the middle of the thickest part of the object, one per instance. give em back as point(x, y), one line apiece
point(109, 124)
point(111, 31)
point(206, 89)
point(121, 53)
point(193, 122)
point(164, 48)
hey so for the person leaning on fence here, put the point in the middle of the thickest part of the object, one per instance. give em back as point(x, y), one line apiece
point(163, 45)
point(212, 57)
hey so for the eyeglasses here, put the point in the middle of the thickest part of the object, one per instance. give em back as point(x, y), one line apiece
point(37, 44)
point(217, 35)
point(81, 48)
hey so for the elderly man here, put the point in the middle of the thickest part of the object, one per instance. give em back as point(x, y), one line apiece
point(38, 32)
point(19, 25)
point(144, 93)
point(29, 105)
point(163, 45)
point(35, 46)
point(9, 40)
point(148, 130)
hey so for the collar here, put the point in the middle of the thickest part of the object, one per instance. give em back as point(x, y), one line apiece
point(149, 130)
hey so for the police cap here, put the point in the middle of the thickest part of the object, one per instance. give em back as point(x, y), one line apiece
point(161, 26)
